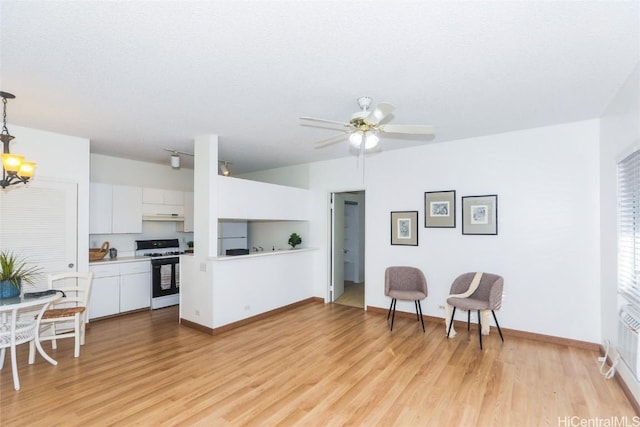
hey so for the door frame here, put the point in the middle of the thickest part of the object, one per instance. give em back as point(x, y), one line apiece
point(332, 244)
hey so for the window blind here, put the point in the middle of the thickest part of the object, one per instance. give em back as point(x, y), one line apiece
point(629, 228)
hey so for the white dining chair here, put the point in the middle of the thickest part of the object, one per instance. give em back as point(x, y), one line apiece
point(68, 314)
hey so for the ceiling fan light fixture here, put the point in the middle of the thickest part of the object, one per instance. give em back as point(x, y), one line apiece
point(371, 140)
point(355, 139)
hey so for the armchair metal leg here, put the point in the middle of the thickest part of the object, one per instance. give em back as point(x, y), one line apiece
point(419, 307)
point(468, 320)
point(497, 324)
point(393, 314)
point(480, 329)
point(453, 313)
point(390, 307)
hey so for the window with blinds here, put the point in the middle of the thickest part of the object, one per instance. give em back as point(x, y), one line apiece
point(629, 228)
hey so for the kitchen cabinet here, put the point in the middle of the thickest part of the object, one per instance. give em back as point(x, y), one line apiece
point(157, 201)
point(135, 285)
point(127, 209)
point(162, 197)
point(114, 209)
point(100, 208)
point(187, 226)
point(120, 287)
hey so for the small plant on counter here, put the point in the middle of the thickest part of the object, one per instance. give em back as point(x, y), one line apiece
point(294, 240)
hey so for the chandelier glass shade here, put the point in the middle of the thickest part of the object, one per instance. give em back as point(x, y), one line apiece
point(15, 169)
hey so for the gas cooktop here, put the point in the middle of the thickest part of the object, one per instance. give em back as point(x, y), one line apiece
point(155, 254)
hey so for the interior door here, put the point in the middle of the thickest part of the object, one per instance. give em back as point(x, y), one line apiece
point(337, 244)
point(39, 221)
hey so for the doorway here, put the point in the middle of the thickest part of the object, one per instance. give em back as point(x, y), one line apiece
point(347, 285)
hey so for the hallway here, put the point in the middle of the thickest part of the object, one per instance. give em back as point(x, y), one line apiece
point(353, 295)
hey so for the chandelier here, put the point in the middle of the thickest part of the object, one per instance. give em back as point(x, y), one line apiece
point(14, 169)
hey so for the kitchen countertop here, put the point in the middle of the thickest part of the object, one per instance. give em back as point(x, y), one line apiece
point(260, 254)
point(139, 258)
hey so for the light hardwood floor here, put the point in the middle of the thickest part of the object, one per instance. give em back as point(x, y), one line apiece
point(317, 365)
point(353, 295)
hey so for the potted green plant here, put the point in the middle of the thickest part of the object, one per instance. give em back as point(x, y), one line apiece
point(190, 246)
point(294, 240)
point(13, 272)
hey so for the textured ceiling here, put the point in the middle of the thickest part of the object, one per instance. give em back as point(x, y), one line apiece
point(137, 77)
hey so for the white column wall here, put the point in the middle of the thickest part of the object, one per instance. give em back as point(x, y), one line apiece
point(196, 291)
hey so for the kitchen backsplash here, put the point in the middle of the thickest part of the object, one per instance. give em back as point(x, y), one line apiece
point(126, 243)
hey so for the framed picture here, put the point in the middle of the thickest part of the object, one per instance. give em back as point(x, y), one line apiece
point(480, 214)
point(404, 228)
point(440, 209)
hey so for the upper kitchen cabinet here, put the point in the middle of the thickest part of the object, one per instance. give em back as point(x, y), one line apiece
point(187, 226)
point(127, 209)
point(114, 209)
point(158, 203)
point(100, 208)
point(162, 197)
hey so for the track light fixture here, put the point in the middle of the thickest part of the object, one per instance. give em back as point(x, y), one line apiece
point(175, 157)
point(224, 167)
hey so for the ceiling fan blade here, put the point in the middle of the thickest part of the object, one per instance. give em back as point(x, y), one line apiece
point(333, 122)
point(411, 129)
point(332, 140)
point(380, 112)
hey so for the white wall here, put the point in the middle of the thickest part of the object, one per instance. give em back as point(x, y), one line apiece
point(63, 158)
point(620, 135)
point(115, 170)
point(547, 249)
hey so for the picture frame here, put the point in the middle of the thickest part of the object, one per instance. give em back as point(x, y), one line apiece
point(404, 228)
point(480, 214)
point(440, 209)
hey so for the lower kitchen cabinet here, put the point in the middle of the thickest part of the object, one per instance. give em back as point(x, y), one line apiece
point(119, 287)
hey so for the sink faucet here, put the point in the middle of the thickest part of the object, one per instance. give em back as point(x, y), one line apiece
point(261, 248)
point(254, 249)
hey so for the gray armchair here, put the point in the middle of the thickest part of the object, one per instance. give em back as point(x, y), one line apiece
point(405, 283)
point(488, 296)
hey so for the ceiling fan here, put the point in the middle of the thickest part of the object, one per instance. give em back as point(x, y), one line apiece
point(365, 126)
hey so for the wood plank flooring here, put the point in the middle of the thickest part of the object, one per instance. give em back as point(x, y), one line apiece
point(353, 295)
point(315, 365)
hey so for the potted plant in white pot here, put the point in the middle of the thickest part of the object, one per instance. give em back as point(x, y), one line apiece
point(13, 272)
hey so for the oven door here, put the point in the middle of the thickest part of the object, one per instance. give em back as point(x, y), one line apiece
point(165, 276)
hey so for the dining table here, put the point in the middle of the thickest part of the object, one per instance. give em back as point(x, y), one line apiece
point(20, 323)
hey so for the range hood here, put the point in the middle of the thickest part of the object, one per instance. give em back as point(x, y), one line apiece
point(163, 217)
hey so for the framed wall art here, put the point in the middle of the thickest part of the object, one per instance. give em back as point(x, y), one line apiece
point(480, 214)
point(404, 228)
point(440, 209)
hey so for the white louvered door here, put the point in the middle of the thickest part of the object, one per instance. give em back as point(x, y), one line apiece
point(39, 221)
